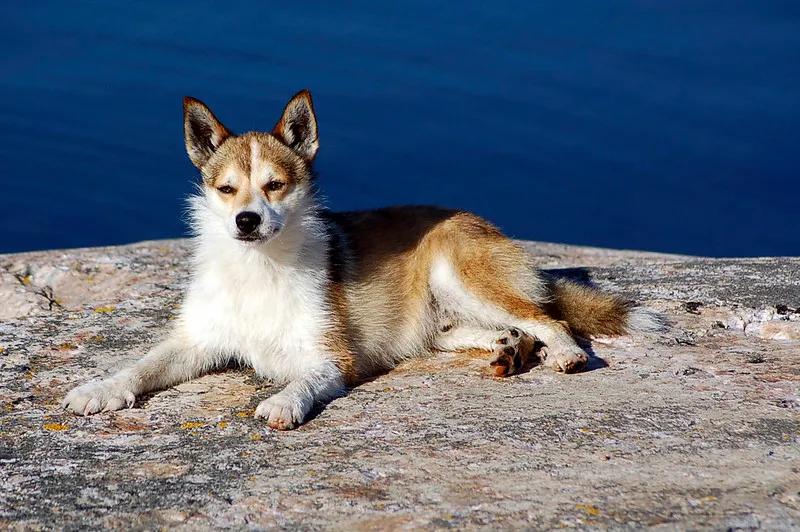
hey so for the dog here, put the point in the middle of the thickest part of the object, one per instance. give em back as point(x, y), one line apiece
point(322, 301)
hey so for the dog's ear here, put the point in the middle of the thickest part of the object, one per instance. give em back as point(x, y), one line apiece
point(297, 127)
point(202, 132)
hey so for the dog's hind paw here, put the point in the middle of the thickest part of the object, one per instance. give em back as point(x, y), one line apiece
point(571, 359)
point(511, 352)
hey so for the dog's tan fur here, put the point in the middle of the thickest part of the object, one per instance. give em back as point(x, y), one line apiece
point(323, 300)
point(379, 291)
point(386, 284)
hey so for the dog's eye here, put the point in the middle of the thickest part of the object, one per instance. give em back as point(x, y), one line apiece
point(225, 189)
point(272, 186)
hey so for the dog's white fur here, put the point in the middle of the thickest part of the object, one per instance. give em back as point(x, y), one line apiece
point(261, 305)
point(266, 303)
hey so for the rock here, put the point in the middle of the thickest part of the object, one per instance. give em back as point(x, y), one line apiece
point(697, 427)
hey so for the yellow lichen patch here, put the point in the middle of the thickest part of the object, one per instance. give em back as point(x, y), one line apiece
point(191, 425)
point(105, 309)
point(588, 508)
point(55, 427)
point(2, 349)
point(244, 413)
point(255, 437)
point(66, 346)
point(222, 424)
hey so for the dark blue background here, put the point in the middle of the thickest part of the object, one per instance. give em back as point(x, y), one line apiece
point(669, 126)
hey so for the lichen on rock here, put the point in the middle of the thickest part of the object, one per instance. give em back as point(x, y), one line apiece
point(697, 427)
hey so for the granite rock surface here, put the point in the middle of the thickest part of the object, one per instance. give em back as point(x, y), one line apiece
point(696, 427)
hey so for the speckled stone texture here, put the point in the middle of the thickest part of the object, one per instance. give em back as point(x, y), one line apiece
point(693, 428)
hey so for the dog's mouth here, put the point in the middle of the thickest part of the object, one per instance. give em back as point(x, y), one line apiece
point(249, 238)
point(255, 238)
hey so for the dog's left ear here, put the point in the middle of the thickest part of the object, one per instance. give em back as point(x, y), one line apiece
point(297, 127)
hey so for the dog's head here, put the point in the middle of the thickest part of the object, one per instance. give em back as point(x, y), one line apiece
point(255, 181)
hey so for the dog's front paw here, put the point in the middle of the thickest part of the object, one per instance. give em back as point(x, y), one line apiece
point(566, 359)
point(282, 412)
point(99, 396)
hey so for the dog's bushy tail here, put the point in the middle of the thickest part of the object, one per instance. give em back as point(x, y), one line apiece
point(590, 312)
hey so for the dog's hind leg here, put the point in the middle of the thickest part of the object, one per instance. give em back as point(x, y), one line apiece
point(510, 348)
point(462, 337)
point(488, 281)
point(171, 362)
point(510, 307)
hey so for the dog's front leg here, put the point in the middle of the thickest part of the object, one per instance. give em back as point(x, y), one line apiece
point(171, 362)
point(288, 408)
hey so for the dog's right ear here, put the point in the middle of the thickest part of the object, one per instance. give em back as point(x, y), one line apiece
point(202, 132)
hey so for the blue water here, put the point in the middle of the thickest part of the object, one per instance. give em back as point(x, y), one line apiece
point(669, 126)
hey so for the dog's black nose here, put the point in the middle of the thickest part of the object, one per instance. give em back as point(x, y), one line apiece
point(247, 222)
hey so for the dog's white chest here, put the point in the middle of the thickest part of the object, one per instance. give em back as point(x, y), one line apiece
point(270, 319)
